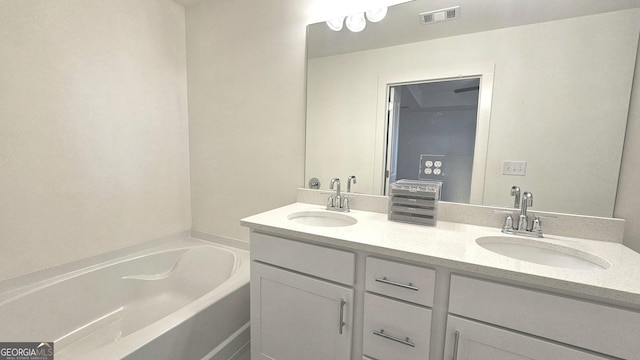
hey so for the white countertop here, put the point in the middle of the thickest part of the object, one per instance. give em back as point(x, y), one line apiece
point(454, 246)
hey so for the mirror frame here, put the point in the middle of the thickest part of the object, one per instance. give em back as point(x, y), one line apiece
point(485, 72)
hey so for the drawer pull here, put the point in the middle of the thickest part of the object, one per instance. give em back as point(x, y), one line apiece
point(410, 286)
point(341, 324)
point(456, 340)
point(396, 339)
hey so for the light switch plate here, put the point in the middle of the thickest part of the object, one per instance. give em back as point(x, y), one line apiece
point(518, 168)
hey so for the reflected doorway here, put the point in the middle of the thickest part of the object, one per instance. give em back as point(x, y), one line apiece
point(431, 134)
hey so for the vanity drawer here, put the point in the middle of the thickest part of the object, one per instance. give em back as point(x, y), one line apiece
point(320, 261)
point(402, 281)
point(597, 327)
point(395, 330)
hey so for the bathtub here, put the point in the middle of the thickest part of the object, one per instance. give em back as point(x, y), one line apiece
point(185, 299)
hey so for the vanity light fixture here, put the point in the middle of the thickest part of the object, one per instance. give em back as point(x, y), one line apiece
point(357, 22)
point(335, 24)
point(376, 15)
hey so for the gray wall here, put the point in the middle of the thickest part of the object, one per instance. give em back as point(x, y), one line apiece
point(447, 132)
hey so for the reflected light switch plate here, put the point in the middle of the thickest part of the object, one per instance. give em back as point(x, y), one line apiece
point(518, 168)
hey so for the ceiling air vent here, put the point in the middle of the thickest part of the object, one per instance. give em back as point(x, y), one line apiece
point(431, 17)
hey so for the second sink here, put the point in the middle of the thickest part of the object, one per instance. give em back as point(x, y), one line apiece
point(543, 253)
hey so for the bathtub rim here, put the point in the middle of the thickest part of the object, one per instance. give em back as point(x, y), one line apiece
point(11, 289)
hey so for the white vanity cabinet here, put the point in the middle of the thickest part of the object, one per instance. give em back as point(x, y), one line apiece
point(525, 318)
point(301, 300)
point(397, 310)
point(320, 302)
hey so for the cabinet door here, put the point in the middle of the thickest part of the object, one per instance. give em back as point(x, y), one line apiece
point(295, 317)
point(478, 341)
point(584, 324)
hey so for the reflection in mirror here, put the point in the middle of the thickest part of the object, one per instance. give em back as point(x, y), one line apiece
point(431, 134)
point(560, 95)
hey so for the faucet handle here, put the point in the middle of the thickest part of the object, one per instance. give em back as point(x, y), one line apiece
point(345, 206)
point(508, 221)
point(537, 223)
point(330, 202)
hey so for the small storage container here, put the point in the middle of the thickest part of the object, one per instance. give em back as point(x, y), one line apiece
point(414, 201)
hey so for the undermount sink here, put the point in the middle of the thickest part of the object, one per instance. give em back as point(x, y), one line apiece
point(541, 252)
point(322, 218)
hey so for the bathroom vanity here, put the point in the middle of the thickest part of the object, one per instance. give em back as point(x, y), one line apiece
point(328, 285)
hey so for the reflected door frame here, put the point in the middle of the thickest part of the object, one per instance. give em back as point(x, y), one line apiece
point(485, 72)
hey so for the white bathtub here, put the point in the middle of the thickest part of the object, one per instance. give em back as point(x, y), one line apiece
point(188, 299)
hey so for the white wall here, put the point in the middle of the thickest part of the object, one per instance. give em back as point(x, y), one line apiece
point(246, 71)
point(93, 128)
point(541, 91)
point(628, 200)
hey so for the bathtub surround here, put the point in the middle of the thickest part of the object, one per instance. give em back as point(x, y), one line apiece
point(93, 133)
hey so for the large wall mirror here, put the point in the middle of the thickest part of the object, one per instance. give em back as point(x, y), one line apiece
point(560, 76)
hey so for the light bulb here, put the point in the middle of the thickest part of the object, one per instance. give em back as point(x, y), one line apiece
point(335, 24)
point(356, 22)
point(377, 14)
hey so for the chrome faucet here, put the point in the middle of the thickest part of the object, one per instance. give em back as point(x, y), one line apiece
point(527, 200)
point(337, 203)
point(523, 220)
point(351, 179)
point(515, 191)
